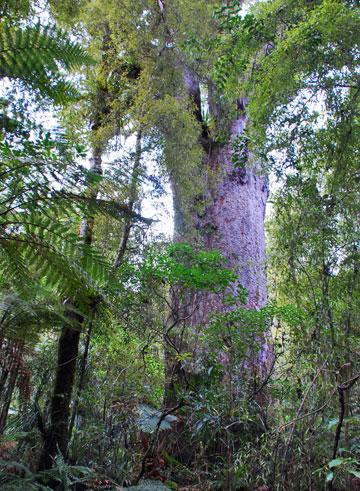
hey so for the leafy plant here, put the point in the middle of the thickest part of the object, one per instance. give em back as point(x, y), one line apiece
point(151, 419)
point(65, 475)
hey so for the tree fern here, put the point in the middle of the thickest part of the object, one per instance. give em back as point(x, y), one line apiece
point(38, 252)
point(40, 215)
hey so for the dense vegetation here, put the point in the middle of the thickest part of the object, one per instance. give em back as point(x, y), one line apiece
point(130, 360)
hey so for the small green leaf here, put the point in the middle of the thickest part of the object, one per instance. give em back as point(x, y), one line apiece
point(332, 423)
point(335, 463)
point(355, 473)
point(329, 476)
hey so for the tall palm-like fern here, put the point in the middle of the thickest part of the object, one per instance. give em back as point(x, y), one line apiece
point(43, 197)
point(38, 232)
point(36, 241)
point(42, 201)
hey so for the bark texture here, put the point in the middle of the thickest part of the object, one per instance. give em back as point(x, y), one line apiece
point(234, 220)
point(57, 435)
point(13, 371)
point(233, 223)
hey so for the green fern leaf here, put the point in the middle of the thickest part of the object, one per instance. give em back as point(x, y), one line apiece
point(36, 55)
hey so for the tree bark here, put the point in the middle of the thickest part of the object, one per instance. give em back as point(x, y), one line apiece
point(57, 435)
point(11, 362)
point(233, 223)
point(81, 383)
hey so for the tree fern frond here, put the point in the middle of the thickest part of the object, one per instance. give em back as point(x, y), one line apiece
point(36, 55)
point(13, 268)
point(108, 207)
point(39, 241)
point(27, 318)
point(62, 263)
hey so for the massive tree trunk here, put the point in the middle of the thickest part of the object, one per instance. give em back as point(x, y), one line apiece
point(233, 223)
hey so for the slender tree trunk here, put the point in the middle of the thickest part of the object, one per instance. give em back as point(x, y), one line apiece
point(57, 435)
point(81, 384)
point(133, 197)
point(11, 361)
point(6, 398)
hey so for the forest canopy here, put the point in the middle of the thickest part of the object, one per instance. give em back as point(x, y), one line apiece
point(224, 356)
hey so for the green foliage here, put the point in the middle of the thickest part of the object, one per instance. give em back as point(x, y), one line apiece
point(245, 421)
point(39, 241)
point(27, 318)
point(64, 475)
point(240, 150)
point(171, 125)
point(17, 10)
point(37, 56)
point(151, 420)
point(241, 331)
point(182, 265)
point(282, 48)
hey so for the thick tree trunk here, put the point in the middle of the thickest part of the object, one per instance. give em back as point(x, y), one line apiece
point(233, 223)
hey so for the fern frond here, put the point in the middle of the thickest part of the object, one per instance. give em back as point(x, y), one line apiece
point(13, 268)
point(37, 55)
point(26, 318)
point(110, 208)
point(66, 267)
point(39, 241)
point(68, 476)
